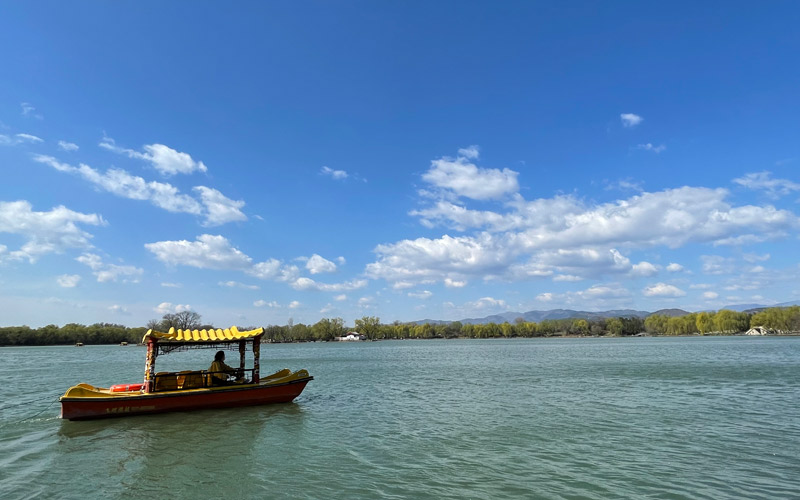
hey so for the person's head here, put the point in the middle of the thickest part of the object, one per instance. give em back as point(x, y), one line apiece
point(220, 356)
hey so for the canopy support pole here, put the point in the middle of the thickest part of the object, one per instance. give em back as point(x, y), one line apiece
point(150, 365)
point(256, 358)
point(242, 351)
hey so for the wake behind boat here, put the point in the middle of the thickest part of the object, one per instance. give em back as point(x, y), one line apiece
point(187, 390)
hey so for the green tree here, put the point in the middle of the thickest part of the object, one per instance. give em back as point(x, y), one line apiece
point(369, 326)
point(328, 329)
point(656, 323)
point(579, 327)
point(614, 326)
point(704, 323)
point(727, 321)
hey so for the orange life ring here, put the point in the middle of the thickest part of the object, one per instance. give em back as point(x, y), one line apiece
point(126, 387)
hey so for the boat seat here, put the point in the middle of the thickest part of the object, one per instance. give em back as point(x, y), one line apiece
point(190, 380)
point(166, 381)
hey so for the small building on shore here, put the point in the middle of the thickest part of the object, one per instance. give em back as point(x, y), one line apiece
point(760, 330)
point(351, 337)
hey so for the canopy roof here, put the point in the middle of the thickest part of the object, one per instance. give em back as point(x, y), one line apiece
point(212, 336)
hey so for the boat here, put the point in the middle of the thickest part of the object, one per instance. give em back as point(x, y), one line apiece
point(187, 390)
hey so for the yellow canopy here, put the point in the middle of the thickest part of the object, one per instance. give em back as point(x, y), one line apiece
point(202, 336)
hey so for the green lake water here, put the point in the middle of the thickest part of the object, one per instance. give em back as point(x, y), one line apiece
point(488, 419)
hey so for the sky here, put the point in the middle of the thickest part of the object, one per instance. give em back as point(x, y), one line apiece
point(266, 162)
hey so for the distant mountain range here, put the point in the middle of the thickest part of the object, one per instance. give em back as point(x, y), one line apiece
point(539, 316)
point(758, 307)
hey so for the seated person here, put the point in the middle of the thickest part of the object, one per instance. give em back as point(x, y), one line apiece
point(219, 371)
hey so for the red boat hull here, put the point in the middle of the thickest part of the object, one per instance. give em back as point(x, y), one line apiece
point(139, 404)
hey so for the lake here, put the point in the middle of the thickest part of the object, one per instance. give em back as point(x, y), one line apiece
point(715, 417)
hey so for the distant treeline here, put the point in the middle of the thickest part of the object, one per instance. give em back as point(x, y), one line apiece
point(723, 322)
point(72, 333)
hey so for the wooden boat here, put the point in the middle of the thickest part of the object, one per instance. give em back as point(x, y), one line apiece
point(186, 390)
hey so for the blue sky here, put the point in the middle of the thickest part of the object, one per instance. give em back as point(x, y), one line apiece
point(265, 161)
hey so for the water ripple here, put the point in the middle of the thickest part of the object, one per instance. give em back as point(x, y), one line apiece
point(542, 418)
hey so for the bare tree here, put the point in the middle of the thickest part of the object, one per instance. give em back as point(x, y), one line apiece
point(184, 320)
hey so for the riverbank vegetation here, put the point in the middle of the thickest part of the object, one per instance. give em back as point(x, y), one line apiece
point(723, 322)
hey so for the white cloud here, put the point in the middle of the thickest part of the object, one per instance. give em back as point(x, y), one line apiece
point(423, 258)
point(470, 153)
point(294, 304)
point(45, 232)
point(716, 264)
point(452, 283)
point(459, 217)
point(710, 295)
point(125, 185)
point(663, 290)
point(402, 285)
point(273, 269)
point(424, 294)
point(216, 252)
point(564, 235)
point(674, 267)
point(480, 307)
point(340, 298)
point(762, 181)
point(67, 146)
point(644, 269)
point(29, 138)
point(335, 174)
point(29, 111)
point(488, 302)
point(604, 292)
point(168, 307)
point(6, 140)
point(462, 178)
point(118, 309)
point(754, 257)
point(214, 206)
point(625, 185)
point(68, 280)
point(263, 303)
point(110, 272)
point(236, 284)
point(163, 158)
point(599, 296)
point(219, 209)
point(567, 277)
point(328, 308)
point(304, 283)
point(630, 120)
point(671, 217)
point(207, 252)
point(171, 285)
point(317, 264)
point(650, 147)
point(752, 285)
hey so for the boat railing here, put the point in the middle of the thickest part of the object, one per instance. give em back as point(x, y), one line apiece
point(194, 379)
